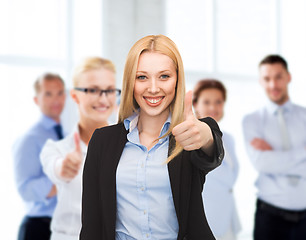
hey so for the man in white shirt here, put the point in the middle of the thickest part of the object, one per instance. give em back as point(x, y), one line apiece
point(276, 143)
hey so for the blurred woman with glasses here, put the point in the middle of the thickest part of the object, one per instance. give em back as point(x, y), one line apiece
point(209, 97)
point(95, 94)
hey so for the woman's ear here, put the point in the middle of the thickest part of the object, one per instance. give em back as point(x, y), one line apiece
point(74, 96)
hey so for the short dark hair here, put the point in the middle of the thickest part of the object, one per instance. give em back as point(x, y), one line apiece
point(208, 83)
point(48, 76)
point(274, 58)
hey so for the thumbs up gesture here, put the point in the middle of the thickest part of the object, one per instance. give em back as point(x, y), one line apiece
point(193, 134)
point(72, 162)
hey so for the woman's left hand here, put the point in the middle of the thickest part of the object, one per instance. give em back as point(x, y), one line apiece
point(193, 134)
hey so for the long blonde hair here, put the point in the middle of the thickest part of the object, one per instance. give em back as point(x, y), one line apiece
point(91, 63)
point(164, 45)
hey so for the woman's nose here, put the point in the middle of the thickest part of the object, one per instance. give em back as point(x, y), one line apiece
point(153, 88)
point(103, 97)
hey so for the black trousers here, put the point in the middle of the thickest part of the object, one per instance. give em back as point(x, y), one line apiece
point(35, 228)
point(272, 223)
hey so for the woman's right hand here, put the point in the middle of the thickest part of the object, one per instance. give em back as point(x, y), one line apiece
point(71, 164)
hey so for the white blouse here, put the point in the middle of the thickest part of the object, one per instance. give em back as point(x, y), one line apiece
point(66, 221)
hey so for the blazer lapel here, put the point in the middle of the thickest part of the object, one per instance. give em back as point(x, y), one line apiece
point(180, 171)
point(174, 169)
point(119, 146)
point(108, 179)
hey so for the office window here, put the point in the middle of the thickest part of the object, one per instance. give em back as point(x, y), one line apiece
point(87, 28)
point(245, 33)
point(226, 40)
point(189, 24)
point(38, 36)
point(33, 28)
point(221, 36)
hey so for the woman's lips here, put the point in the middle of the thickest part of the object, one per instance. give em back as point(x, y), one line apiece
point(153, 101)
point(101, 108)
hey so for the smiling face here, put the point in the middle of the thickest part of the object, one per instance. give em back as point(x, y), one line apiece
point(92, 107)
point(274, 78)
point(210, 104)
point(155, 84)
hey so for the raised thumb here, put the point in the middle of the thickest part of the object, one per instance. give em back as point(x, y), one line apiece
point(188, 105)
point(77, 143)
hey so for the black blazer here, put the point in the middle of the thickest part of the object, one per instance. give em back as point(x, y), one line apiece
point(186, 172)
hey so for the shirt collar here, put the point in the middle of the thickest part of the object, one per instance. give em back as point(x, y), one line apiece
point(166, 126)
point(273, 107)
point(130, 123)
point(47, 122)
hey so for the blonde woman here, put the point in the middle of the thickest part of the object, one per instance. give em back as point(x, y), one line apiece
point(132, 189)
point(95, 94)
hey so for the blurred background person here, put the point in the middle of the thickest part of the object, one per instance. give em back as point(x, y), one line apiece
point(275, 139)
point(34, 187)
point(209, 97)
point(95, 94)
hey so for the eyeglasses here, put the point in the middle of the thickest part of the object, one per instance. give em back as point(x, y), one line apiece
point(99, 92)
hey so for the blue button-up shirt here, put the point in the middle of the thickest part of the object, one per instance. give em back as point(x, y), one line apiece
point(145, 208)
point(282, 173)
point(33, 185)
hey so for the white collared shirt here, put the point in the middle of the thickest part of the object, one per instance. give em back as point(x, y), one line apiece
point(282, 173)
point(66, 221)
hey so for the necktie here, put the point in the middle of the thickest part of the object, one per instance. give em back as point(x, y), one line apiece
point(59, 131)
point(283, 129)
point(293, 180)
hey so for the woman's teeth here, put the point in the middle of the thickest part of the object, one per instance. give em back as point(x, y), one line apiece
point(154, 100)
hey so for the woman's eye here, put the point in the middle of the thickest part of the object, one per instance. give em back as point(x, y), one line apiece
point(164, 76)
point(141, 77)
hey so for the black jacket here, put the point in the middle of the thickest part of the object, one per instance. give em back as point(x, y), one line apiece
point(186, 172)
